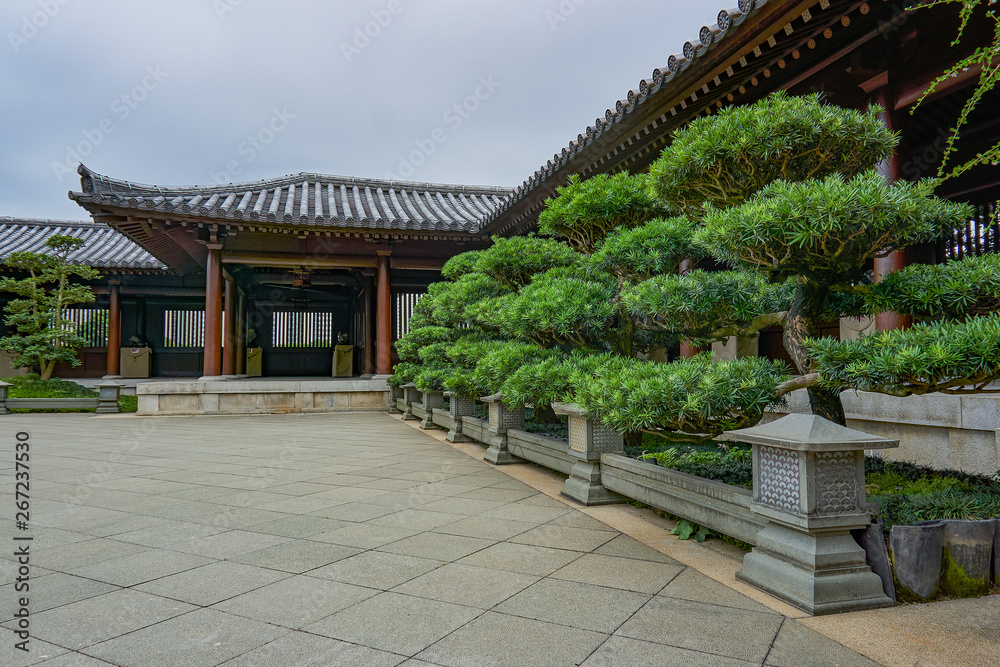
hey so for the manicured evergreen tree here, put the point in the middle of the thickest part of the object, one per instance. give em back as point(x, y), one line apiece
point(44, 336)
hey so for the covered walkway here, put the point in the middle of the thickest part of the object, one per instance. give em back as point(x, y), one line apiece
point(355, 539)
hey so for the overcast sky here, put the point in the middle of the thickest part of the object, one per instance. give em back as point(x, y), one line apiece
point(194, 92)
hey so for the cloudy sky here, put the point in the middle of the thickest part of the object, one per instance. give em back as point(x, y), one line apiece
point(194, 92)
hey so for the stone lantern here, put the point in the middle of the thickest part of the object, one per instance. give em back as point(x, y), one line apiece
point(587, 441)
point(459, 406)
point(500, 419)
point(809, 489)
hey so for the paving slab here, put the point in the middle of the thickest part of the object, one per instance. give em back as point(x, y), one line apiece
point(353, 540)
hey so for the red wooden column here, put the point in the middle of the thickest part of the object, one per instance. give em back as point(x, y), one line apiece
point(687, 349)
point(229, 347)
point(383, 313)
point(891, 170)
point(213, 312)
point(369, 296)
point(114, 331)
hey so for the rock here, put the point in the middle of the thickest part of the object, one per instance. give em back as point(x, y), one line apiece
point(967, 557)
point(872, 540)
point(916, 558)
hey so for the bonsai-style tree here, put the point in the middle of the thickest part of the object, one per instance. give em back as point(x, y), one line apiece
point(44, 336)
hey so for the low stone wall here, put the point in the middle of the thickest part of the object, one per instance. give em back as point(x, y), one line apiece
point(253, 396)
point(549, 452)
point(475, 428)
point(939, 430)
point(719, 506)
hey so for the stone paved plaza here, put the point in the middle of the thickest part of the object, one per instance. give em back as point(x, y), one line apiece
point(348, 539)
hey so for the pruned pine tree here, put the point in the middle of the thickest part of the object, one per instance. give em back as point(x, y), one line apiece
point(41, 334)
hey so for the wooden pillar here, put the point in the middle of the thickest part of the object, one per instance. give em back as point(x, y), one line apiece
point(114, 331)
point(241, 332)
point(687, 349)
point(229, 330)
point(891, 170)
point(213, 312)
point(369, 297)
point(383, 329)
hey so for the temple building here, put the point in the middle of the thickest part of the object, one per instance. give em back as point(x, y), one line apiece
point(264, 277)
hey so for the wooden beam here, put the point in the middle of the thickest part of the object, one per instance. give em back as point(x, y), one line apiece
point(383, 334)
point(114, 332)
point(418, 263)
point(213, 313)
point(293, 260)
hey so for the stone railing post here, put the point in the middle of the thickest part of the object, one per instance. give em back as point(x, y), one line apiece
point(587, 441)
point(459, 406)
point(410, 396)
point(501, 418)
point(4, 388)
point(395, 393)
point(431, 400)
point(809, 488)
point(107, 397)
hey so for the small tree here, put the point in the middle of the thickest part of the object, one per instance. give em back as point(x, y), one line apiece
point(44, 336)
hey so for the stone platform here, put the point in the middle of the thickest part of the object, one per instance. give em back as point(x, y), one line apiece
point(261, 396)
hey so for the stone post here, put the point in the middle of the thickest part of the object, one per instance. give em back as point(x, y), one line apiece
point(410, 395)
point(459, 406)
point(432, 399)
point(501, 419)
point(4, 388)
point(587, 441)
point(395, 393)
point(107, 397)
point(809, 489)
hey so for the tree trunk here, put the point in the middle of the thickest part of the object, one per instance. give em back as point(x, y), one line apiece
point(46, 368)
point(546, 415)
point(800, 323)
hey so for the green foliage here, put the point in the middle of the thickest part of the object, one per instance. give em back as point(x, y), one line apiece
point(654, 248)
point(500, 361)
point(585, 211)
point(128, 403)
point(514, 261)
point(686, 530)
point(554, 310)
point(943, 357)
point(33, 386)
point(403, 373)
point(951, 290)
point(985, 58)
point(693, 395)
point(727, 157)
point(409, 346)
point(827, 230)
point(461, 265)
point(731, 464)
point(706, 307)
point(552, 379)
point(452, 303)
point(44, 336)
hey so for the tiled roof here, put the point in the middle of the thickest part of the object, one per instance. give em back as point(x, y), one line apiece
point(307, 200)
point(708, 37)
point(105, 247)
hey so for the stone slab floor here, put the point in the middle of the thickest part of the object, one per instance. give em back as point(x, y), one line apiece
point(346, 539)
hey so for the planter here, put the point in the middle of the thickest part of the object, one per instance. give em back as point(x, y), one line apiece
point(967, 557)
point(395, 396)
point(476, 429)
point(459, 407)
point(916, 558)
point(549, 452)
point(501, 418)
point(707, 502)
point(410, 397)
point(588, 440)
point(431, 400)
point(996, 553)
